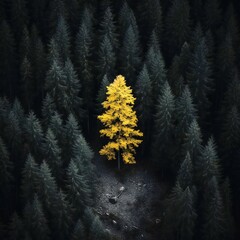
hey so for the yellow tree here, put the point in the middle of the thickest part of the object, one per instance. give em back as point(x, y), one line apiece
point(120, 122)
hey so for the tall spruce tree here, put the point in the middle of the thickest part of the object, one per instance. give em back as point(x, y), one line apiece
point(38, 222)
point(130, 55)
point(79, 231)
point(163, 127)
point(213, 215)
point(177, 25)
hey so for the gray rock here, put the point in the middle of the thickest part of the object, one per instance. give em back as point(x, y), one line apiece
point(113, 200)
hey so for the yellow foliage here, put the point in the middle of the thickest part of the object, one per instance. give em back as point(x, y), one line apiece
point(119, 121)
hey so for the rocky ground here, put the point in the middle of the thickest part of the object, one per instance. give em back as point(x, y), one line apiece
point(129, 201)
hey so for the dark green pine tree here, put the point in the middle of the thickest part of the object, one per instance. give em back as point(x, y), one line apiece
point(70, 99)
point(30, 175)
point(83, 56)
point(16, 227)
point(8, 64)
point(52, 154)
point(196, 37)
point(97, 230)
point(47, 188)
point(108, 28)
point(156, 68)
point(101, 96)
point(208, 164)
point(78, 189)
point(71, 133)
point(62, 39)
point(82, 157)
point(73, 16)
point(62, 219)
point(185, 113)
point(38, 222)
point(106, 62)
point(56, 9)
point(231, 129)
point(177, 26)
point(228, 210)
point(154, 42)
point(180, 217)
point(163, 128)
point(175, 77)
point(150, 17)
point(5, 167)
point(48, 110)
point(55, 83)
point(185, 58)
point(79, 231)
point(34, 134)
point(185, 173)
point(231, 27)
point(144, 102)
point(213, 215)
point(27, 83)
point(193, 142)
point(14, 132)
point(56, 125)
point(39, 66)
point(126, 19)
point(213, 14)
point(199, 79)
point(18, 110)
point(25, 45)
point(18, 16)
point(130, 55)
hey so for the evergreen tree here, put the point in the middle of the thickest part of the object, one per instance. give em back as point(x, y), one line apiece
point(56, 125)
point(8, 64)
point(130, 55)
point(144, 101)
point(97, 230)
point(18, 16)
point(193, 142)
point(5, 167)
point(185, 113)
point(27, 83)
point(16, 228)
point(101, 96)
point(48, 110)
point(163, 127)
point(47, 188)
point(53, 154)
point(228, 209)
point(213, 215)
point(212, 14)
point(199, 78)
point(185, 174)
point(78, 188)
point(30, 174)
point(208, 165)
point(70, 99)
point(126, 19)
point(177, 25)
point(83, 57)
point(62, 39)
point(34, 134)
point(55, 83)
point(157, 71)
point(107, 59)
point(25, 45)
point(108, 28)
point(71, 133)
point(180, 214)
point(39, 224)
point(231, 129)
point(79, 231)
point(62, 217)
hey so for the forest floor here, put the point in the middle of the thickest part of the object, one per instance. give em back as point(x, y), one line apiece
point(136, 214)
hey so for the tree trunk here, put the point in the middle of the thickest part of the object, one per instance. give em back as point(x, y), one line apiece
point(119, 160)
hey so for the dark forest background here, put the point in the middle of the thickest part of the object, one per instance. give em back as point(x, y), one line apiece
point(182, 60)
